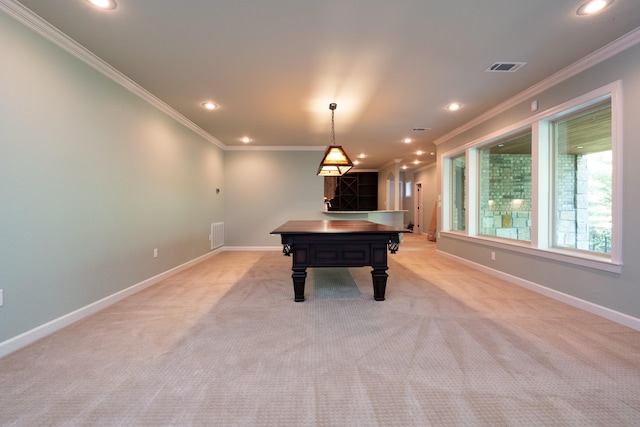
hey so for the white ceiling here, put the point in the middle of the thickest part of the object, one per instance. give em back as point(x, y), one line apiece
point(274, 66)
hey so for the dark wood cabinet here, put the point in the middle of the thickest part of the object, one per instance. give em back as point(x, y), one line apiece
point(357, 191)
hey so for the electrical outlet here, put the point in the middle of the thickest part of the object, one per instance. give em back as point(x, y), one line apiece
point(493, 256)
point(155, 253)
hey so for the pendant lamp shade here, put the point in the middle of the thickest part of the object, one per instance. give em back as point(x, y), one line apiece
point(335, 161)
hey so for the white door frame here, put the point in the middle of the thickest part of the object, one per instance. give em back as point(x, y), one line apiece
point(418, 215)
point(391, 192)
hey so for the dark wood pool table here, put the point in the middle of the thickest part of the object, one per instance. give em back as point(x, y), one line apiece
point(339, 243)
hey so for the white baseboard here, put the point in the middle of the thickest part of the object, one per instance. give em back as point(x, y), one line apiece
point(29, 337)
point(607, 313)
point(26, 338)
point(253, 248)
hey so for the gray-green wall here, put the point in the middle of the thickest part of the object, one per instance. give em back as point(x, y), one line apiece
point(617, 292)
point(92, 179)
point(264, 189)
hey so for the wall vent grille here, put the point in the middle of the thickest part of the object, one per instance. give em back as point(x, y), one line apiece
point(217, 235)
point(505, 67)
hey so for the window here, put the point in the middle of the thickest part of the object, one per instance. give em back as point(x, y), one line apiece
point(583, 180)
point(407, 189)
point(547, 186)
point(458, 194)
point(505, 188)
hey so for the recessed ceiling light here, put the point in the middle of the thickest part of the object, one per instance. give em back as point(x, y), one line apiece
point(454, 106)
point(416, 162)
point(362, 156)
point(404, 167)
point(246, 139)
point(356, 162)
point(209, 105)
point(104, 4)
point(593, 6)
point(407, 140)
point(419, 152)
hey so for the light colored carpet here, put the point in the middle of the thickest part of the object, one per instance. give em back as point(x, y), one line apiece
point(223, 343)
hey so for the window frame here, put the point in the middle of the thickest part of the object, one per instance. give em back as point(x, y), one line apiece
point(451, 202)
point(488, 145)
point(553, 121)
point(542, 217)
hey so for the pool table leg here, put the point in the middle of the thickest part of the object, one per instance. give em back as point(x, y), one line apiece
point(379, 276)
point(299, 275)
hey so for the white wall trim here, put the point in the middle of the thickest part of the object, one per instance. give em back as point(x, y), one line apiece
point(39, 332)
point(598, 310)
point(539, 246)
point(51, 33)
point(252, 248)
point(425, 167)
point(16, 343)
point(42, 27)
point(276, 148)
point(600, 55)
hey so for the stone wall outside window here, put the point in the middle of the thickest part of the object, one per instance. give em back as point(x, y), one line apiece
point(505, 195)
point(572, 202)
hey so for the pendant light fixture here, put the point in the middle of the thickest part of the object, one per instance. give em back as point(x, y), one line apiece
point(335, 161)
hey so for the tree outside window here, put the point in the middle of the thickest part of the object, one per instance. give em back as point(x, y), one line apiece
point(583, 180)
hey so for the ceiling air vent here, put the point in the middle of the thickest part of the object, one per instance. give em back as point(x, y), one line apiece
point(421, 129)
point(505, 67)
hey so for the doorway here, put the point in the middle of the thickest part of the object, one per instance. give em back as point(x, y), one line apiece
point(391, 192)
point(417, 208)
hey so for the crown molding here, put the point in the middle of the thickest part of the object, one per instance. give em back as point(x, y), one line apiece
point(275, 148)
point(389, 164)
point(628, 40)
point(17, 11)
point(425, 167)
point(36, 23)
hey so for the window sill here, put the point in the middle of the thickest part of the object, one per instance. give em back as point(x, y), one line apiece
point(582, 259)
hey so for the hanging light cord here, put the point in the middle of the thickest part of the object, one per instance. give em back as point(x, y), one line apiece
point(333, 107)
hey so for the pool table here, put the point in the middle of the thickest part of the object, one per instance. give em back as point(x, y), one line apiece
point(339, 243)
